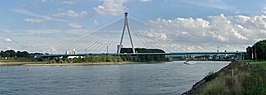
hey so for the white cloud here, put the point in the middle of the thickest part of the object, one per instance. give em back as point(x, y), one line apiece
point(145, 0)
point(218, 4)
point(75, 26)
point(68, 2)
point(32, 20)
point(72, 13)
point(234, 32)
point(38, 18)
point(8, 40)
point(114, 7)
point(60, 1)
point(160, 36)
point(111, 7)
point(263, 10)
point(41, 19)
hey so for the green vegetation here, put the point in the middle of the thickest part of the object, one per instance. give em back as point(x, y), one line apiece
point(238, 78)
point(108, 58)
point(95, 59)
point(257, 51)
point(141, 50)
point(111, 58)
point(261, 64)
point(10, 59)
point(210, 76)
point(144, 58)
point(88, 59)
point(12, 53)
point(253, 63)
point(13, 56)
point(235, 79)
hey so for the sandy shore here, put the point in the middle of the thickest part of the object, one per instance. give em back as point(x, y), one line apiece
point(59, 64)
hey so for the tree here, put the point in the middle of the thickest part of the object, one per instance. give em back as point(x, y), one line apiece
point(260, 48)
point(249, 52)
point(143, 58)
point(257, 51)
point(12, 53)
point(1, 54)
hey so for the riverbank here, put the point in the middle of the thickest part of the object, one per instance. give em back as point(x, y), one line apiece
point(63, 64)
point(237, 78)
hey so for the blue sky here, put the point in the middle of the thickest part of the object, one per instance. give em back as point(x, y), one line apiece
point(54, 26)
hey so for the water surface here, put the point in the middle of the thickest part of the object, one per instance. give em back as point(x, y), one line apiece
point(127, 79)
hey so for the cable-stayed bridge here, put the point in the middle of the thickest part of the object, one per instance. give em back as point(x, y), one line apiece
point(107, 39)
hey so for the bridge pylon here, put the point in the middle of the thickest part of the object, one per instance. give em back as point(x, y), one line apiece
point(120, 46)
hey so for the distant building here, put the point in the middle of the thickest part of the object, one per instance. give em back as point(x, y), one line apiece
point(71, 52)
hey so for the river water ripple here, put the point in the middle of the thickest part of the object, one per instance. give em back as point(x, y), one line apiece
point(171, 78)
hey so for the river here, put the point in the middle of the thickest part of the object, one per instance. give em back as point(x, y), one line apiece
point(171, 78)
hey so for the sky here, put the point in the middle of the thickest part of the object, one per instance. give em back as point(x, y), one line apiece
point(56, 26)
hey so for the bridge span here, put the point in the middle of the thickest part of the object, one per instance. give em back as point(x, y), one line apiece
point(135, 54)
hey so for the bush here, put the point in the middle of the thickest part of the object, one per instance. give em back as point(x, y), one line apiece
point(235, 79)
point(52, 61)
point(210, 76)
point(61, 61)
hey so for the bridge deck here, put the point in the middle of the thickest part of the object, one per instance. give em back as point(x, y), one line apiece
point(174, 53)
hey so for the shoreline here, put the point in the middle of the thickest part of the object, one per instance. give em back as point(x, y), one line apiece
point(67, 64)
point(17, 63)
point(238, 77)
point(195, 88)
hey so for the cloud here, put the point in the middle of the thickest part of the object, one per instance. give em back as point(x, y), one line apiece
point(72, 13)
point(34, 21)
point(42, 19)
point(8, 40)
point(218, 4)
point(236, 31)
point(68, 2)
point(159, 36)
point(114, 7)
point(111, 7)
point(145, 0)
point(75, 26)
point(263, 10)
point(38, 18)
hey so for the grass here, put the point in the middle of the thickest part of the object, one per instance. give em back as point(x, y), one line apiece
point(253, 63)
point(260, 63)
point(15, 59)
point(235, 79)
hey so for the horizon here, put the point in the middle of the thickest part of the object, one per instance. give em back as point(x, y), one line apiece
point(49, 26)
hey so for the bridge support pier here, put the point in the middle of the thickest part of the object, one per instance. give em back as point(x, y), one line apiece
point(120, 46)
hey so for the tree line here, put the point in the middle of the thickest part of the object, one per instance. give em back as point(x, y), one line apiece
point(111, 58)
point(141, 50)
point(13, 53)
point(87, 59)
point(257, 51)
point(144, 58)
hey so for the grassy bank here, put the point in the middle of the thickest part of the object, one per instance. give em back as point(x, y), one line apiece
point(238, 78)
point(16, 59)
point(262, 64)
point(65, 64)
